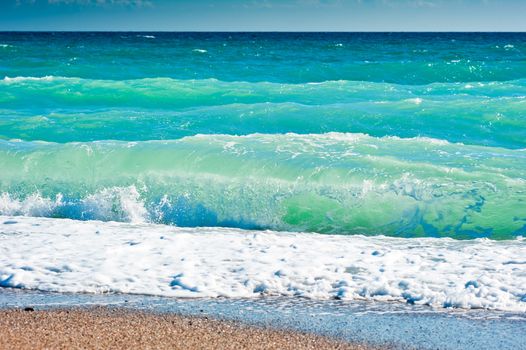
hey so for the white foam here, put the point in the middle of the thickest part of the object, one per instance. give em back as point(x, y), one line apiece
point(117, 203)
point(74, 256)
point(32, 205)
point(416, 101)
point(113, 203)
point(199, 50)
point(19, 79)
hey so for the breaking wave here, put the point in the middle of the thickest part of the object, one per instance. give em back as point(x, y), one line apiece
point(330, 183)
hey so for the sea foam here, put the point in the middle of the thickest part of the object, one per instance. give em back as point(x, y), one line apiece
point(95, 257)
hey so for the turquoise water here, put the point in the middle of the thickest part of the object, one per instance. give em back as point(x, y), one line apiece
point(397, 134)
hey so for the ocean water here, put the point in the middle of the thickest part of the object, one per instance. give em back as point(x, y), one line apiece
point(419, 138)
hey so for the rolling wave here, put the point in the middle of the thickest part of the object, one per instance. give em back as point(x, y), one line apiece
point(52, 91)
point(330, 183)
point(63, 109)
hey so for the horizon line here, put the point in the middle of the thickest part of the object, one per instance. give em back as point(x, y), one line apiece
point(260, 31)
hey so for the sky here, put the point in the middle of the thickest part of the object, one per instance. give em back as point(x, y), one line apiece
point(264, 15)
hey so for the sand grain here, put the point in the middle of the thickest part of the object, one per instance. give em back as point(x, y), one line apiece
point(107, 328)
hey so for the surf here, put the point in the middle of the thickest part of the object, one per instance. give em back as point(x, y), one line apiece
point(330, 183)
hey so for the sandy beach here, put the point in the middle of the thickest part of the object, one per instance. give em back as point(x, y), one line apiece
point(113, 328)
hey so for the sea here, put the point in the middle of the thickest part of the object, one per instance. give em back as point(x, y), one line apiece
point(385, 167)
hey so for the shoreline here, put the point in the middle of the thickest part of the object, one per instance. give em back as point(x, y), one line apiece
point(119, 328)
point(373, 324)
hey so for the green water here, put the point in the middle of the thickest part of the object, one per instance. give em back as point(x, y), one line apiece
point(397, 134)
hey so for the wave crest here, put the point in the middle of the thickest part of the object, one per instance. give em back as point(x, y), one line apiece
point(331, 183)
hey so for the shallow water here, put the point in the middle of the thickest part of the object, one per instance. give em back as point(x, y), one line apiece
point(393, 325)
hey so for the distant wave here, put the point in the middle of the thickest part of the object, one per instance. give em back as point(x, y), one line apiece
point(42, 108)
point(331, 91)
point(468, 83)
point(411, 59)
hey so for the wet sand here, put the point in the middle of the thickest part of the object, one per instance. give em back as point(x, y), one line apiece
point(113, 328)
